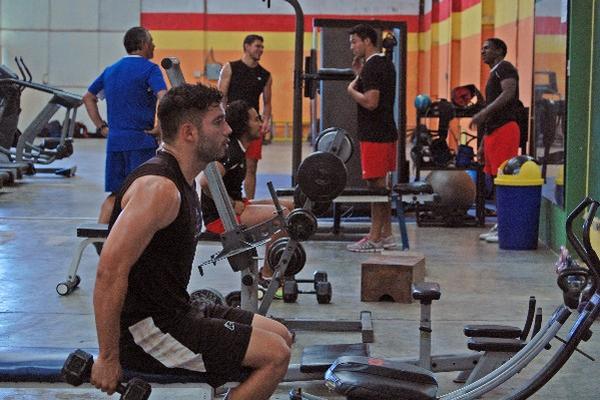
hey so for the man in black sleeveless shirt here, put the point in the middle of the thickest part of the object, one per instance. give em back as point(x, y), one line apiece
point(246, 79)
point(245, 125)
point(144, 319)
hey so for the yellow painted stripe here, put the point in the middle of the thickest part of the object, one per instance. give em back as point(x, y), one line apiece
point(505, 12)
point(425, 41)
point(466, 23)
point(441, 32)
point(226, 41)
point(590, 94)
point(488, 8)
point(526, 9)
point(550, 44)
point(218, 40)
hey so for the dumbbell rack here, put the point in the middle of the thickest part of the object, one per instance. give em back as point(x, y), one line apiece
point(239, 248)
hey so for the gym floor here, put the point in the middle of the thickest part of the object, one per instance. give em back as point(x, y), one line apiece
point(480, 284)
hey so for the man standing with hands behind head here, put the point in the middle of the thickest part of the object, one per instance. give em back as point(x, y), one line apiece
point(132, 87)
point(246, 79)
point(373, 90)
point(498, 118)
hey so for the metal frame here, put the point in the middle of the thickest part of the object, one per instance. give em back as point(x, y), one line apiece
point(239, 241)
point(26, 151)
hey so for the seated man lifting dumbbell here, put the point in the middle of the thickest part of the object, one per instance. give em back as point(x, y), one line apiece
point(144, 319)
point(245, 124)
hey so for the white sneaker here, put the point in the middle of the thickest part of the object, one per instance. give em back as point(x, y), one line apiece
point(493, 231)
point(389, 242)
point(365, 245)
point(492, 238)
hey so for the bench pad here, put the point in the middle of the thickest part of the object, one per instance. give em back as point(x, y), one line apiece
point(43, 364)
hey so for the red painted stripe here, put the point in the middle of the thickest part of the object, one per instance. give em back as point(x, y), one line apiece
point(425, 23)
point(253, 22)
point(173, 21)
point(462, 5)
point(549, 26)
point(441, 11)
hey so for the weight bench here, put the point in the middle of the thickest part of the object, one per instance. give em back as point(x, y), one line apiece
point(96, 233)
point(43, 365)
point(404, 192)
point(23, 365)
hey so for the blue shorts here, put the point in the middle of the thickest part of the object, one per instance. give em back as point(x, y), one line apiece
point(119, 164)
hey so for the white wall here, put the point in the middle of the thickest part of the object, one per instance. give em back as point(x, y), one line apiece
point(281, 7)
point(65, 43)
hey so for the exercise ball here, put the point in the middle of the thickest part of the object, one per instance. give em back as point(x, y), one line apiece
point(455, 189)
point(422, 102)
point(513, 166)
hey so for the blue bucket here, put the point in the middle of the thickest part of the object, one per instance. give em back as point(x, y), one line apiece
point(518, 209)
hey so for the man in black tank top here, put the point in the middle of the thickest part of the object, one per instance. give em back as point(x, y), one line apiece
point(144, 319)
point(246, 79)
point(245, 125)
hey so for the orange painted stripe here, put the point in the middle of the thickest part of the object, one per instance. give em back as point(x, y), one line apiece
point(250, 22)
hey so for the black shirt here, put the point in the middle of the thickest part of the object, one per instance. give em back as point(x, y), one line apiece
point(158, 280)
point(501, 71)
point(235, 173)
point(247, 83)
point(378, 125)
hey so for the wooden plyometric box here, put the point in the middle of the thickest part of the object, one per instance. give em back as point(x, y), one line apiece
point(389, 275)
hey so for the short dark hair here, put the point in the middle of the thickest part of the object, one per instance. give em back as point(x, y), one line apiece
point(237, 117)
point(248, 40)
point(498, 44)
point(364, 31)
point(135, 38)
point(185, 103)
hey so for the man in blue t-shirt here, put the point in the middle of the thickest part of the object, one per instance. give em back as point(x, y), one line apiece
point(132, 87)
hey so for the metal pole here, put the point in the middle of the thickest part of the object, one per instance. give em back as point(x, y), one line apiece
point(297, 105)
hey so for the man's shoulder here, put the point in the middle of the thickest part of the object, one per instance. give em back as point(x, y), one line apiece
point(506, 67)
point(235, 154)
point(378, 61)
point(136, 63)
point(263, 69)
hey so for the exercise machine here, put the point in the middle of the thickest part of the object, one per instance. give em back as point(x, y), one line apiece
point(362, 378)
point(27, 155)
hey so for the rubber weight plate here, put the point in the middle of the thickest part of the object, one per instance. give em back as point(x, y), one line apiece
point(207, 296)
point(297, 260)
point(301, 224)
point(317, 208)
point(322, 176)
point(325, 141)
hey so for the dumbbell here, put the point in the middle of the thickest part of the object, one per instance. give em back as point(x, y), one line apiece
point(78, 368)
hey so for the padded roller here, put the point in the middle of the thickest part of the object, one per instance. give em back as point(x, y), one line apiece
point(426, 291)
point(92, 230)
point(496, 345)
point(492, 331)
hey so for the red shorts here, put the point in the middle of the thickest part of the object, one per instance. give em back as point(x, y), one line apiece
point(254, 150)
point(217, 226)
point(377, 158)
point(499, 146)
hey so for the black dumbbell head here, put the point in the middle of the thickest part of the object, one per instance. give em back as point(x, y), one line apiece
point(77, 368)
point(137, 389)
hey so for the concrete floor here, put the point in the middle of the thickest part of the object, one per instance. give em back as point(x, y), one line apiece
point(480, 284)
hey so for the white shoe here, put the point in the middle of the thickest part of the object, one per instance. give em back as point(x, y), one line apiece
point(365, 245)
point(389, 242)
point(492, 238)
point(493, 231)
